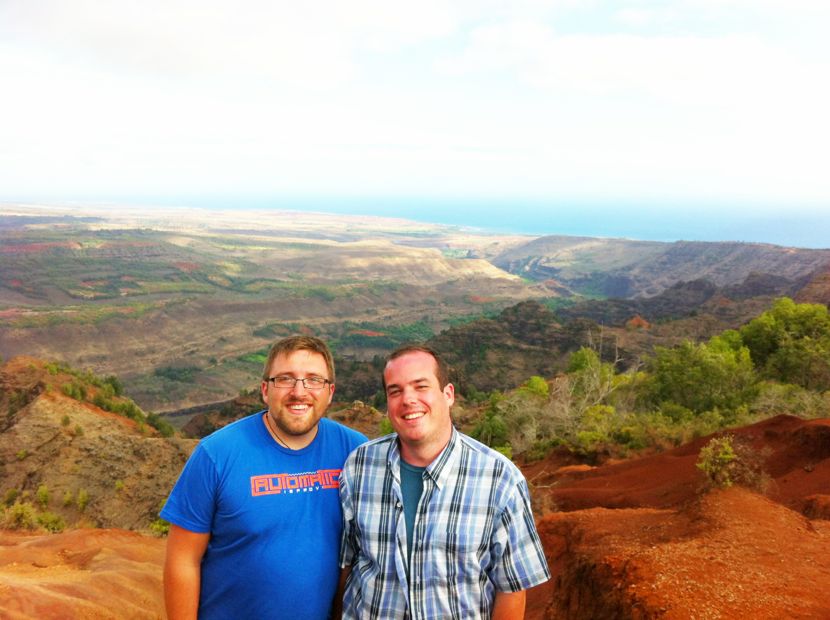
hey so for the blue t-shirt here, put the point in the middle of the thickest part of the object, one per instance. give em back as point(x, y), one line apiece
point(274, 518)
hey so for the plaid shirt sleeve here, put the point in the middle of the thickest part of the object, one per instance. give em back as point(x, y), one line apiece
point(521, 563)
point(348, 547)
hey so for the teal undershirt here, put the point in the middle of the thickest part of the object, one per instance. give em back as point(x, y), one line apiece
point(412, 485)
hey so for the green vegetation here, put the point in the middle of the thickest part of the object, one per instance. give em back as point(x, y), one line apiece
point(82, 500)
point(160, 527)
point(107, 394)
point(385, 426)
point(725, 462)
point(791, 343)
point(24, 516)
point(19, 516)
point(42, 495)
point(777, 363)
point(369, 334)
point(51, 522)
point(160, 424)
point(182, 374)
point(10, 496)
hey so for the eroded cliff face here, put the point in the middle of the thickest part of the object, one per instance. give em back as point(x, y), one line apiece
point(640, 538)
point(733, 554)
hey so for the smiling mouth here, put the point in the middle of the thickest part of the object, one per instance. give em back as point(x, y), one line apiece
point(414, 416)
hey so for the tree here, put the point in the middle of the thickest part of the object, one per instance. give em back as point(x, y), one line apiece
point(491, 428)
point(791, 343)
point(703, 377)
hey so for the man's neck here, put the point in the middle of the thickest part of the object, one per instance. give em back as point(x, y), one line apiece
point(422, 456)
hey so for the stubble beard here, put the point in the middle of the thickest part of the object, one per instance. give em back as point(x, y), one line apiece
point(285, 421)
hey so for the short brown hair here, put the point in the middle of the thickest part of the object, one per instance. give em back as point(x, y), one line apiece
point(299, 343)
point(441, 370)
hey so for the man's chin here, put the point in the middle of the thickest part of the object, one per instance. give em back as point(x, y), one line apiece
point(299, 428)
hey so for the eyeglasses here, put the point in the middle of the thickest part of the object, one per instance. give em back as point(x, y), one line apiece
point(285, 382)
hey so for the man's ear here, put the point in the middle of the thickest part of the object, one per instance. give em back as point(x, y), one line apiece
point(263, 391)
point(449, 394)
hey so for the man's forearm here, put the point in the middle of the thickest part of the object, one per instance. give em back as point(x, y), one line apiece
point(509, 605)
point(183, 573)
point(181, 590)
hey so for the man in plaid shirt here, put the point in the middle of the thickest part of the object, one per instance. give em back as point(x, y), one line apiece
point(436, 524)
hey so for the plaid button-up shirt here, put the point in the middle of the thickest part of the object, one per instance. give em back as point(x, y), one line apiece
point(474, 534)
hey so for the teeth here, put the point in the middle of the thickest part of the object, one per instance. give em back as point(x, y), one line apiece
point(412, 416)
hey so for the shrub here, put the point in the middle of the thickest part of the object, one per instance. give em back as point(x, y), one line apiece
point(65, 421)
point(42, 495)
point(22, 454)
point(716, 460)
point(10, 496)
point(537, 386)
point(726, 461)
point(20, 516)
point(385, 426)
point(539, 449)
point(51, 521)
point(119, 486)
point(160, 424)
point(68, 498)
point(160, 527)
point(491, 428)
point(74, 390)
point(83, 500)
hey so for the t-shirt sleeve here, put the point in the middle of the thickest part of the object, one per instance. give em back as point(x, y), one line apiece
point(192, 501)
point(520, 561)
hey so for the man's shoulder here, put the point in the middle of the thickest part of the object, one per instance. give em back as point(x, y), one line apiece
point(488, 454)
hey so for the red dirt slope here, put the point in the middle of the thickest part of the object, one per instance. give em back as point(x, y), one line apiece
point(90, 574)
point(795, 454)
point(638, 539)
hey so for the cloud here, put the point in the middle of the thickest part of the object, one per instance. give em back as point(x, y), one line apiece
point(535, 96)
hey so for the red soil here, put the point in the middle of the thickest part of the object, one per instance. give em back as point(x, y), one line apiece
point(186, 266)
point(101, 574)
point(640, 539)
point(35, 248)
point(368, 332)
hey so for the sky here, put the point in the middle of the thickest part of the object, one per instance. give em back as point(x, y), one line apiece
point(700, 119)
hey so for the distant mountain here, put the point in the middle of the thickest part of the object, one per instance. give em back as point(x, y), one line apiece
point(627, 268)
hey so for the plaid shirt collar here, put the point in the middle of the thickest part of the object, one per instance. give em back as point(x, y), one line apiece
point(439, 470)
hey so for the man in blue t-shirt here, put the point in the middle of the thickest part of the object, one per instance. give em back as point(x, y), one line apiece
point(255, 515)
